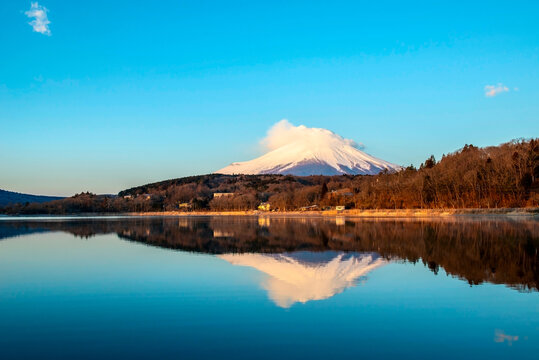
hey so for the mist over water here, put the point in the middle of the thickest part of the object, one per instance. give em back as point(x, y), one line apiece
point(266, 287)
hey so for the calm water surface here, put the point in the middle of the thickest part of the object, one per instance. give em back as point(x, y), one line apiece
point(269, 287)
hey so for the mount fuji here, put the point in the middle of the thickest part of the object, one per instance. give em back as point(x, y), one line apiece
point(303, 151)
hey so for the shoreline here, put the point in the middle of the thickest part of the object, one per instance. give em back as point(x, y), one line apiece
point(352, 213)
point(392, 213)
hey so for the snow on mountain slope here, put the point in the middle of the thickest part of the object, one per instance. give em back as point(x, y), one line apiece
point(304, 276)
point(299, 150)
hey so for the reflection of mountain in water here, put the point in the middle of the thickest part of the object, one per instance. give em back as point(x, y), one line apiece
point(500, 250)
point(304, 276)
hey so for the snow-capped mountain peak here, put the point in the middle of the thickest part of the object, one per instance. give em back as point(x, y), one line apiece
point(299, 150)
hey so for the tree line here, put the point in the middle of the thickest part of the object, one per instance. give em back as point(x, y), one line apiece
point(504, 176)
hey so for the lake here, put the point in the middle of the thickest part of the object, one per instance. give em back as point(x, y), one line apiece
point(269, 287)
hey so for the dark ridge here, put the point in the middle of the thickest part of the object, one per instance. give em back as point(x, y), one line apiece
point(11, 197)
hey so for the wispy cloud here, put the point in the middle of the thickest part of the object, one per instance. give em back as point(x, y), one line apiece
point(493, 90)
point(41, 22)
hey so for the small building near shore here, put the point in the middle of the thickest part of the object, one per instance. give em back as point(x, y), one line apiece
point(340, 207)
point(222, 194)
point(342, 192)
point(184, 206)
point(264, 206)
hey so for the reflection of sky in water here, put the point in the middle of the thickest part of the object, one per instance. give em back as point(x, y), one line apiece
point(83, 298)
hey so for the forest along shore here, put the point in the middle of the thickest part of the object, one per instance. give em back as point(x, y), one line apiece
point(529, 212)
point(498, 177)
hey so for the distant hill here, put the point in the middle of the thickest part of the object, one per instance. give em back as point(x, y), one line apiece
point(11, 197)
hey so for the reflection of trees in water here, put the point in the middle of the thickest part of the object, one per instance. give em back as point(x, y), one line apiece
point(475, 249)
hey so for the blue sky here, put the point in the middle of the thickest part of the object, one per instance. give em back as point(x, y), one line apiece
point(110, 95)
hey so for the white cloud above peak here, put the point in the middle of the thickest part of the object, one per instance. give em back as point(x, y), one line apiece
point(283, 133)
point(41, 22)
point(493, 90)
